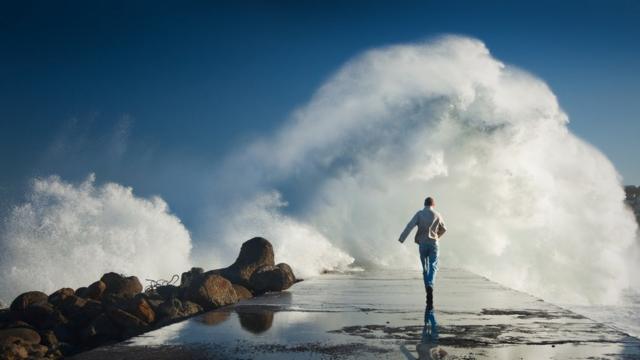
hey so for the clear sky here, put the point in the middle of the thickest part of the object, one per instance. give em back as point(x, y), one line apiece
point(143, 92)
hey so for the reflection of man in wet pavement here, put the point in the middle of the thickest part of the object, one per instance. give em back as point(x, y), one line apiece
point(428, 348)
point(430, 228)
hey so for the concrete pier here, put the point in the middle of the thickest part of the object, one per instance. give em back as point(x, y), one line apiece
point(381, 314)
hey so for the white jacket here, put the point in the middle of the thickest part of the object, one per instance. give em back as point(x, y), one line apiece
point(430, 225)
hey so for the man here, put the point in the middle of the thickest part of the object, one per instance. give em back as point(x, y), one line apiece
point(430, 228)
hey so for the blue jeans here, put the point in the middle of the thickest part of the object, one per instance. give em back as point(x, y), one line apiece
point(429, 261)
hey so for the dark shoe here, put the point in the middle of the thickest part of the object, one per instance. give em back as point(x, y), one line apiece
point(429, 298)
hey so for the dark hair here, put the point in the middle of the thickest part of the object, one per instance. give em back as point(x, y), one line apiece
point(428, 201)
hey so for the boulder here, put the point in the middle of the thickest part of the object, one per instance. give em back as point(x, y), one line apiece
point(127, 322)
point(189, 276)
point(82, 291)
point(80, 311)
point(95, 290)
point(169, 291)
point(174, 309)
point(211, 291)
point(7, 317)
point(49, 339)
point(272, 278)
point(254, 253)
point(71, 305)
point(60, 295)
point(141, 308)
point(13, 350)
point(101, 328)
point(23, 301)
point(120, 285)
point(43, 316)
point(26, 336)
point(242, 292)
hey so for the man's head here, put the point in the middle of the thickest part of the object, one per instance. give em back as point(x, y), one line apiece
point(429, 202)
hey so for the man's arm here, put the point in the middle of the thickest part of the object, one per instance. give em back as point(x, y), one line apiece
point(441, 227)
point(413, 222)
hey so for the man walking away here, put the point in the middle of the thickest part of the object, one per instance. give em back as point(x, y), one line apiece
point(430, 228)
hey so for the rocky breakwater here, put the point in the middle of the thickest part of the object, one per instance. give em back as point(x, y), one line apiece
point(114, 308)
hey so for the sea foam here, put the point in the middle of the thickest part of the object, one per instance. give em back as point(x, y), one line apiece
point(70, 234)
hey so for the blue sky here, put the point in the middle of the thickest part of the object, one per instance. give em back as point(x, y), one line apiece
point(145, 94)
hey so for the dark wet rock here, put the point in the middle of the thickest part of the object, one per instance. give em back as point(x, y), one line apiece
point(27, 336)
point(140, 307)
point(23, 301)
point(7, 317)
point(120, 285)
point(189, 276)
point(49, 339)
point(254, 253)
point(43, 316)
point(127, 322)
point(211, 291)
point(272, 278)
point(174, 309)
point(18, 324)
point(59, 296)
point(101, 328)
point(242, 292)
point(82, 291)
point(71, 305)
point(96, 290)
point(169, 291)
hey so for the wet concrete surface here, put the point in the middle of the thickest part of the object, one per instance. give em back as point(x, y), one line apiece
point(381, 314)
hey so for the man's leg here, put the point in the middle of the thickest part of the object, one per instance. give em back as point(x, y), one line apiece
point(432, 256)
point(424, 257)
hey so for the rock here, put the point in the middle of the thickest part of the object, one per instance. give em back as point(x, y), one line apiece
point(18, 324)
point(13, 350)
point(37, 351)
point(139, 307)
point(71, 305)
point(174, 309)
point(126, 321)
point(60, 295)
point(101, 328)
point(80, 311)
point(272, 278)
point(242, 292)
point(23, 301)
point(95, 290)
point(211, 291)
point(43, 316)
point(254, 253)
point(120, 285)
point(170, 291)
point(187, 277)
point(7, 317)
point(26, 336)
point(82, 292)
point(49, 339)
